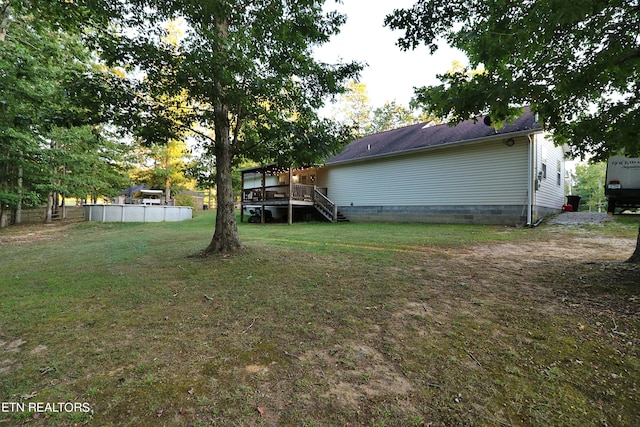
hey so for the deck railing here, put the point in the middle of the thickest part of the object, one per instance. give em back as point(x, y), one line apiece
point(279, 192)
point(299, 192)
point(302, 192)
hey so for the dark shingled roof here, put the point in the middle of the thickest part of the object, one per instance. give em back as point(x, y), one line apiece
point(420, 137)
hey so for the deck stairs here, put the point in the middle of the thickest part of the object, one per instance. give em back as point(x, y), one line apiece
point(341, 218)
point(327, 208)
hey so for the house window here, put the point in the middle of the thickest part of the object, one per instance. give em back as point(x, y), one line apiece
point(544, 162)
point(559, 176)
point(307, 179)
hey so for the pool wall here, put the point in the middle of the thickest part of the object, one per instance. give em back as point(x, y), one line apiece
point(136, 213)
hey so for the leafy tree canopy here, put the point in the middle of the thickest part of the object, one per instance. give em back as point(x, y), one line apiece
point(589, 184)
point(576, 62)
point(393, 115)
point(354, 110)
point(51, 139)
point(252, 59)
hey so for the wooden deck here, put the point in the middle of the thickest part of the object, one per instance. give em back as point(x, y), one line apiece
point(279, 195)
point(279, 187)
point(291, 196)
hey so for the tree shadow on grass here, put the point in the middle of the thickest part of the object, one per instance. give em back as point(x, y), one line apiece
point(610, 286)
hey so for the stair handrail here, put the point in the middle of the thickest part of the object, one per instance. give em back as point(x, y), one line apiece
point(325, 205)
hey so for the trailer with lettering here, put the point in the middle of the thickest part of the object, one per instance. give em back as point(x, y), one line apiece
point(622, 184)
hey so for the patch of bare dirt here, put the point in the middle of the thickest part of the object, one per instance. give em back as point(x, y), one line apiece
point(9, 348)
point(566, 248)
point(362, 373)
point(31, 233)
point(587, 265)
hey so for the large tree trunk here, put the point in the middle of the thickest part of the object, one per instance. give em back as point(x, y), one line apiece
point(225, 239)
point(167, 191)
point(635, 258)
point(48, 213)
point(4, 216)
point(63, 206)
point(4, 209)
point(4, 20)
point(18, 218)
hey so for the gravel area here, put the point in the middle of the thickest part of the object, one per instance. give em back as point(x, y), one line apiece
point(580, 218)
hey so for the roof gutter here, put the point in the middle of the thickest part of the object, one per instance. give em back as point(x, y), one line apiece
point(526, 133)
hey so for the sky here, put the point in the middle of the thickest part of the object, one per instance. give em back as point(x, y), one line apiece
point(391, 73)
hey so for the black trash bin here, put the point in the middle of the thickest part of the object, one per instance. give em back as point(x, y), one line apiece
point(574, 201)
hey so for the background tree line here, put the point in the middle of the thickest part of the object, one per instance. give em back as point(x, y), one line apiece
point(353, 108)
point(589, 182)
point(51, 145)
point(58, 137)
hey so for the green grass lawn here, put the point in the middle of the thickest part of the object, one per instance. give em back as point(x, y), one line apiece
point(321, 324)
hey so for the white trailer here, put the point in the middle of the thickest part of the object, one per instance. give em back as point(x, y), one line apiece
point(622, 184)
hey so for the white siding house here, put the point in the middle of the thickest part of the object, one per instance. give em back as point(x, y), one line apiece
point(463, 174)
point(469, 173)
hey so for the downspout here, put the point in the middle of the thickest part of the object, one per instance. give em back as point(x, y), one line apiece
point(241, 198)
point(530, 181)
